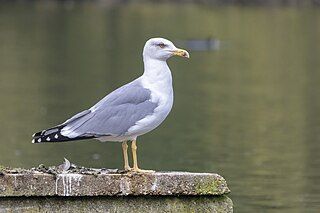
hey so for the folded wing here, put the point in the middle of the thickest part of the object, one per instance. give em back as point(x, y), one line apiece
point(112, 116)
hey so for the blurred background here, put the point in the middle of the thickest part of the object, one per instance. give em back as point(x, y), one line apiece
point(247, 103)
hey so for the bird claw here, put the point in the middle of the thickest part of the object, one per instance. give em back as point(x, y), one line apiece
point(127, 169)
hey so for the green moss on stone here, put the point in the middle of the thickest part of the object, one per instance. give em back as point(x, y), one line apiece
point(207, 187)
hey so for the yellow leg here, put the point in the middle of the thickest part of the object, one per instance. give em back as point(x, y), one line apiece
point(135, 160)
point(134, 155)
point(125, 156)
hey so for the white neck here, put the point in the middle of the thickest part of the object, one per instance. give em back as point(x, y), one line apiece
point(156, 71)
point(157, 77)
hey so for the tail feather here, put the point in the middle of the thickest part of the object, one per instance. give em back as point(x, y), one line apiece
point(54, 135)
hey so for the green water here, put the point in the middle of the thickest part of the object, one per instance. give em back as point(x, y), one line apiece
point(249, 111)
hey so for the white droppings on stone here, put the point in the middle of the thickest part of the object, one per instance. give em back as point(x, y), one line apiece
point(57, 180)
point(65, 190)
point(154, 184)
point(67, 180)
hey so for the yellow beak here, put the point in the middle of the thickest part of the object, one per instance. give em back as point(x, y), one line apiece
point(181, 52)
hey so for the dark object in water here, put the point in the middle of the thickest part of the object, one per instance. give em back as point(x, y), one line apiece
point(210, 44)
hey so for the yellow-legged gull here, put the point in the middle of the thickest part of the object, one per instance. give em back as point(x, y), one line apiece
point(128, 112)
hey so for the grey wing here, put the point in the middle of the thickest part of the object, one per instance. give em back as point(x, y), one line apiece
point(77, 116)
point(114, 114)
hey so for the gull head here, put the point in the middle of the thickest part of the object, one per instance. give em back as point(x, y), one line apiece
point(162, 49)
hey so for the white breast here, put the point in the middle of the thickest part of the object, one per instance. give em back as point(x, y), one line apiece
point(159, 82)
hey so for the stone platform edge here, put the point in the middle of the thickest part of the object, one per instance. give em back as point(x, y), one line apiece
point(35, 183)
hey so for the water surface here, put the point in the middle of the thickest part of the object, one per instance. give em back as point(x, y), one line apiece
point(248, 111)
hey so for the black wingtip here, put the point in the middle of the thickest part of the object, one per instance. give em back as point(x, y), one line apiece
point(54, 135)
point(37, 137)
point(36, 140)
point(37, 134)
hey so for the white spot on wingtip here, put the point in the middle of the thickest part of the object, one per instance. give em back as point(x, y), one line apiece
point(48, 139)
point(56, 136)
point(33, 141)
point(39, 140)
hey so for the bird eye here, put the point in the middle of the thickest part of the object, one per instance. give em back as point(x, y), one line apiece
point(161, 45)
